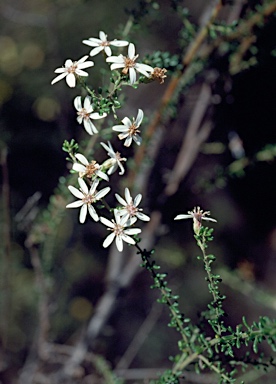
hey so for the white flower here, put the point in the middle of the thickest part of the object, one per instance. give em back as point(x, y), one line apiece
point(119, 232)
point(129, 65)
point(86, 115)
point(87, 198)
point(197, 215)
point(73, 69)
point(103, 44)
point(130, 208)
point(130, 129)
point(88, 169)
point(115, 160)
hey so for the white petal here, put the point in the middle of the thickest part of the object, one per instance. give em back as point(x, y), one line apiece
point(68, 63)
point(122, 169)
point(132, 231)
point(109, 239)
point(209, 219)
point(127, 196)
point(81, 72)
point(116, 59)
point(76, 192)
point(128, 239)
point(82, 158)
point(58, 78)
point(77, 103)
point(143, 68)
point(121, 200)
point(139, 118)
point(93, 186)
point(107, 148)
point(119, 243)
point(99, 195)
point(102, 175)
point(119, 43)
point(92, 42)
point(137, 200)
point(88, 126)
point(127, 122)
point(71, 80)
point(102, 36)
point(83, 185)
point(79, 119)
point(107, 222)
point(82, 59)
point(180, 217)
point(79, 168)
point(87, 104)
point(132, 75)
point(95, 51)
point(120, 128)
point(83, 213)
point(75, 204)
point(116, 66)
point(93, 213)
point(131, 221)
point(97, 116)
point(131, 51)
point(137, 139)
point(108, 51)
point(128, 141)
point(142, 216)
point(61, 70)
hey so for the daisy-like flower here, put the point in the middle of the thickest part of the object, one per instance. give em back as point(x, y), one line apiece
point(115, 160)
point(87, 197)
point(72, 69)
point(130, 207)
point(130, 129)
point(102, 44)
point(119, 232)
point(87, 169)
point(86, 115)
point(129, 65)
point(197, 215)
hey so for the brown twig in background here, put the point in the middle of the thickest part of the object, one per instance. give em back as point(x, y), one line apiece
point(168, 95)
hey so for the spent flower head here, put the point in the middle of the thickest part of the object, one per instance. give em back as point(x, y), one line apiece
point(87, 197)
point(72, 70)
point(115, 160)
point(102, 44)
point(197, 215)
point(130, 129)
point(130, 207)
point(158, 74)
point(119, 231)
point(129, 65)
point(86, 115)
point(90, 170)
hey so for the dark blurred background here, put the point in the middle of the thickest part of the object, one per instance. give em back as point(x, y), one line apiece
point(35, 118)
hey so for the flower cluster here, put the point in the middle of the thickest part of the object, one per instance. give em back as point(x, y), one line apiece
point(91, 173)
